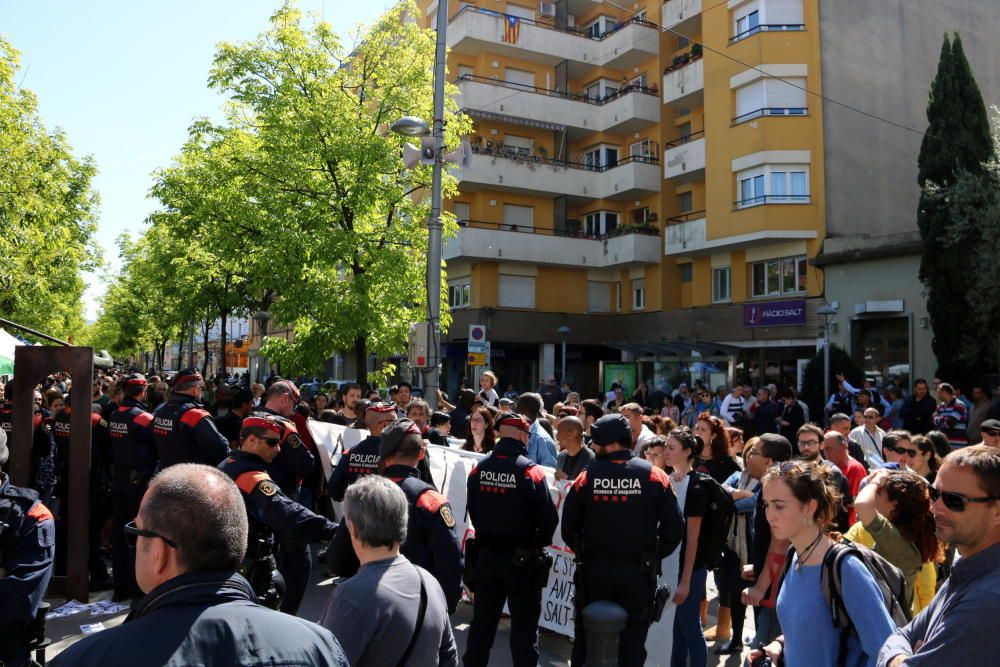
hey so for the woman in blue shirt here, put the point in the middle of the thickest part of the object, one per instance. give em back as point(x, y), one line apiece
point(800, 502)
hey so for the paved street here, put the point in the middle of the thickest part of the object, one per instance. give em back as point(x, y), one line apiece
point(555, 648)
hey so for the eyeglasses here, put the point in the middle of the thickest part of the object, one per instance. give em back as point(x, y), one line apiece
point(133, 533)
point(990, 431)
point(956, 502)
point(808, 443)
point(904, 450)
point(271, 442)
point(753, 452)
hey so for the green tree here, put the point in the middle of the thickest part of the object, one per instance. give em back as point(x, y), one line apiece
point(47, 213)
point(972, 206)
point(307, 129)
point(958, 139)
point(813, 392)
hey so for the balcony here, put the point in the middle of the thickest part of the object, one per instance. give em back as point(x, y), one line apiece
point(630, 110)
point(684, 159)
point(498, 167)
point(474, 30)
point(684, 16)
point(684, 81)
point(485, 241)
point(688, 235)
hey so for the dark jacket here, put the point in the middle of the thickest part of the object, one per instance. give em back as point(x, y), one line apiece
point(185, 433)
point(917, 414)
point(358, 461)
point(206, 618)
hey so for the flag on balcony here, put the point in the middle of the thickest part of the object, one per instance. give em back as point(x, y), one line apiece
point(511, 29)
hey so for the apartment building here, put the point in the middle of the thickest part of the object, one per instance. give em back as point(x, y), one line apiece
point(664, 194)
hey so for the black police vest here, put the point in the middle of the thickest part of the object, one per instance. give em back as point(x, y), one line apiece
point(234, 466)
point(503, 484)
point(415, 548)
point(620, 514)
point(131, 440)
point(363, 459)
point(7, 418)
point(173, 431)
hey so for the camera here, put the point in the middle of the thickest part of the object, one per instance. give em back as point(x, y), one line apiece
point(762, 661)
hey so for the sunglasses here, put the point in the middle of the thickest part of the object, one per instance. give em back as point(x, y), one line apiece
point(903, 450)
point(991, 431)
point(271, 442)
point(133, 533)
point(956, 502)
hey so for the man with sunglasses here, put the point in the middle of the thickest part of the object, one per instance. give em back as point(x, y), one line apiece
point(989, 431)
point(183, 429)
point(27, 548)
point(959, 626)
point(189, 537)
point(273, 515)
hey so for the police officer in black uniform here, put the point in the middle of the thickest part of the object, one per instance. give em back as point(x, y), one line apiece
point(621, 518)
point(514, 517)
point(431, 541)
point(293, 463)
point(272, 514)
point(183, 429)
point(27, 548)
point(363, 458)
point(134, 454)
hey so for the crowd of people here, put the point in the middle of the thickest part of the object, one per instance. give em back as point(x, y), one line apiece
point(209, 496)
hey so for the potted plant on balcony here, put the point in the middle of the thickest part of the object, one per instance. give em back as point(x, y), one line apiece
point(696, 51)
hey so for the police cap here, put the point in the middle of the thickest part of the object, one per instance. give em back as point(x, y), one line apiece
point(188, 376)
point(516, 421)
point(611, 429)
point(395, 435)
point(134, 380)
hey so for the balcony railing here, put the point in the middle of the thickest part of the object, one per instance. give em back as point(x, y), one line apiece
point(652, 90)
point(770, 199)
point(685, 217)
point(683, 140)
point(684, 59)
point(521, 154)
point(549, 26)
point(770, 111)
point(572, 230)
point(767, 27)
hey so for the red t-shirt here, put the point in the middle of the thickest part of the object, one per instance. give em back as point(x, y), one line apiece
point(854, 472)
point(775, 564)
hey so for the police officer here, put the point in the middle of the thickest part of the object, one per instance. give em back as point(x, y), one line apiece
point(431, 541)
point(27, 548)
point(183, 429)
point(514, 518)
point(363, 458)
point(621, 518)
point(272, 514)
point(134, 454)
point(7, 409)
point(293, 462)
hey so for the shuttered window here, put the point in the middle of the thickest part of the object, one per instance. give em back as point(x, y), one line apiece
point(517, 291)
point(521, 217)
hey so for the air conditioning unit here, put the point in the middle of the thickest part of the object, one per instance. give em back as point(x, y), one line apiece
point(547, 9)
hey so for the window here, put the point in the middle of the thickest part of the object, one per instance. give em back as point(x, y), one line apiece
point(520, 145)
point(597, 29)
point(602, 157)
point(686, 272)
point(643, 149)
point(686, 201)
point(461, 211)
point(618, 297)
point(465, 70)
point(639, 294)
point(522, 12)
point(771, 97)
point(519, 78)
point(459, 293)
point(518, 217)
point(599, 223)
point(640, 216)
point(775, 277)
point(778, 184)
point(597, 297)
point(684, 129)
point(747, 25)
point(720, 284)
point(602, 89)
point(517, 291)
point(639, 81)
point(683, 42)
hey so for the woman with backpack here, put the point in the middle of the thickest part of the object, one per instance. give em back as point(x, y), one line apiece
point(800, 503)
point(681, 454)
point(895, 521)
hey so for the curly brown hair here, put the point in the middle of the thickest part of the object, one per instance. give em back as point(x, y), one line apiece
point(912, 513)
point(719, 447)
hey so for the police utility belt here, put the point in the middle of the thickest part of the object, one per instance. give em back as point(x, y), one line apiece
point(537, 561)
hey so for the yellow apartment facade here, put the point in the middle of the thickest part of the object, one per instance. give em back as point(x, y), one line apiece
point(658, 192)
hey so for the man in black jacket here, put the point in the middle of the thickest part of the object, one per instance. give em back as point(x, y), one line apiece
point(918, 410)
point(190, 536)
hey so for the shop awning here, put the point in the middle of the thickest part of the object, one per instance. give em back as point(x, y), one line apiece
point(479, 114)
point(677, 348)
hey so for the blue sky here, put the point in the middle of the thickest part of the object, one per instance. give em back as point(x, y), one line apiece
point(125, 79)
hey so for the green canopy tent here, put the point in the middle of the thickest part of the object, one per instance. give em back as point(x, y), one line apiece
point(7, 345)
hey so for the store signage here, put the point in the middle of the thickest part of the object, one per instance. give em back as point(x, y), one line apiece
point(774, 313)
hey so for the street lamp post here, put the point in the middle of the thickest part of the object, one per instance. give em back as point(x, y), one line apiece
point(262, 317)
point(826, 312)
point(563, 331)
point(414, 127)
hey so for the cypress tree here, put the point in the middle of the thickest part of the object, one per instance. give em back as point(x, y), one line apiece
point(957, 140)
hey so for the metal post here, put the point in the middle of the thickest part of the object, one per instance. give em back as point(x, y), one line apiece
point(826, 358)
point(434, 222)
point(603, 622)
point(564, 359)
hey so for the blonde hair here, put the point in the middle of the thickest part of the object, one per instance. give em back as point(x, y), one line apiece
point(492, 378)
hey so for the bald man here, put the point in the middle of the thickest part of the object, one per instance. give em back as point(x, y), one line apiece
point(573, 457)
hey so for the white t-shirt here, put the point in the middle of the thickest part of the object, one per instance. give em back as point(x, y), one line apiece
point(489, 396)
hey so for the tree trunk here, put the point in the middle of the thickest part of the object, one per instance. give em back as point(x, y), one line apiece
point(223, 317)
point(361, 360)
point(206, 330)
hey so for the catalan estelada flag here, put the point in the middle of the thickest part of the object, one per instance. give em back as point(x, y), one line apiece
point(511, 29)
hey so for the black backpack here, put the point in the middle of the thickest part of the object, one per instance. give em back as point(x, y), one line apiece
point(718, 520)
point(888, 578)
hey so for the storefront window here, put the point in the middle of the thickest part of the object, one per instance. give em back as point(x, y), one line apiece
point(883, 348)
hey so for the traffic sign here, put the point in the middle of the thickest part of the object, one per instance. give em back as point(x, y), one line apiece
point(477, 358)
point(477, 333)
